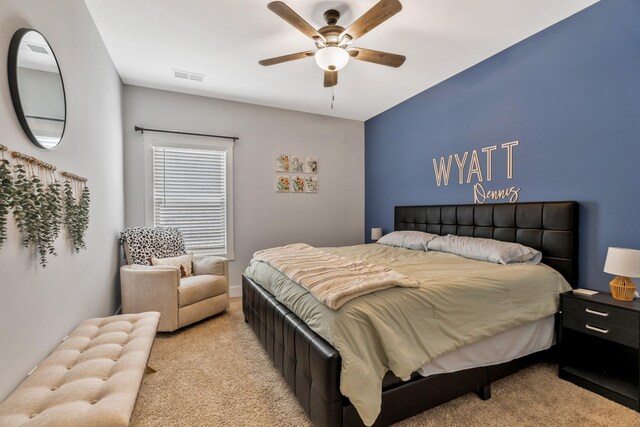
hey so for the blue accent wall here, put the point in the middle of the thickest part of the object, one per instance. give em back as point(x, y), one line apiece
point(569, 94)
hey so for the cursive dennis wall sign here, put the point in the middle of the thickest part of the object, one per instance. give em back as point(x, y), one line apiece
point(470, 171)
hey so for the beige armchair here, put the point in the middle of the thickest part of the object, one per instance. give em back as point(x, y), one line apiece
point(180, 301)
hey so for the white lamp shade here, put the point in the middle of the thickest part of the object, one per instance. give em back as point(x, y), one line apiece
point(623, 262)
point(376, 233)
point(332, 58)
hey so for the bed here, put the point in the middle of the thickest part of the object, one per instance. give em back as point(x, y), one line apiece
point(311, 366)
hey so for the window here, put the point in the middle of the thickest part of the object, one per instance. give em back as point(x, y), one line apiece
point(191, 191)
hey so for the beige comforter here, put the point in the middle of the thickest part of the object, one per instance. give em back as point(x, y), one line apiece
point(459, 302)
point(333, 280)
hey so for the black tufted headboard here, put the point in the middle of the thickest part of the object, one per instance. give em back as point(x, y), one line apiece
point(550, 227)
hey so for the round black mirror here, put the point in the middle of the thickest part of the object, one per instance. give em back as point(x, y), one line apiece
point(37, 90)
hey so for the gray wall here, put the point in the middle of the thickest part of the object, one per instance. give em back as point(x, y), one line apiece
point(39, 306)
point(262, 218)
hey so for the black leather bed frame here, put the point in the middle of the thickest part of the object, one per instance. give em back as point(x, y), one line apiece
point(311, 366)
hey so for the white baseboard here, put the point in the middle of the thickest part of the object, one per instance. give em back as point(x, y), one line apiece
point(235, 291)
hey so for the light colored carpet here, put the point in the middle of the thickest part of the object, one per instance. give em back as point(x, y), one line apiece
point(215, 373)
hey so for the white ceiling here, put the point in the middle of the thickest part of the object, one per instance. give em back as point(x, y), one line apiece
point(225, 39)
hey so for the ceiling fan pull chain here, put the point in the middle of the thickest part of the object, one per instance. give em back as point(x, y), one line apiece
point(333, 98)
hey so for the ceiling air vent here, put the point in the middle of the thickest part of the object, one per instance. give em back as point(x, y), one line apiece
point(187, 75)
point(196, 77)
point(37, 48)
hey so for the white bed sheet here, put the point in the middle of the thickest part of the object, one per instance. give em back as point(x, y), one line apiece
point(503, 347)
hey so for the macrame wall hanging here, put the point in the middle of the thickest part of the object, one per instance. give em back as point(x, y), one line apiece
point(32, 192)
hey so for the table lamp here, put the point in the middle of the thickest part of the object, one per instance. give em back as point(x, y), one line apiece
point(624, 263)
point(376, 234)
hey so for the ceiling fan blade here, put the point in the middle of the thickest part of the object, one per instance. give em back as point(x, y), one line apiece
point(377, 57)
point(375, 16)
point(286, 58)
point(286, 13)
point(330, 78)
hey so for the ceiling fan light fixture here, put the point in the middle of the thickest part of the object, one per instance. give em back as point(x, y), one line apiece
point(332, 58)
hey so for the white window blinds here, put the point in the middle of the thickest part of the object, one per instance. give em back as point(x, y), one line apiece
point(190, 193)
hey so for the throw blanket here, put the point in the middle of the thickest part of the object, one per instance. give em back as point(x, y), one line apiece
point(331, 279)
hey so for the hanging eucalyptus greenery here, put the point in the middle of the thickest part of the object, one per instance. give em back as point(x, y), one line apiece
point(37, 207)
point(76, 212)
point(36, 214)
point(6, 195)
point(22, 205)
point(51, 216)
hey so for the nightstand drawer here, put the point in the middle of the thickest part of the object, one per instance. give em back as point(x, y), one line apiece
point(598, 328)
point(601, 313)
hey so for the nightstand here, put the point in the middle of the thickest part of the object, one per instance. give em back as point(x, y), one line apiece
point(599, 342)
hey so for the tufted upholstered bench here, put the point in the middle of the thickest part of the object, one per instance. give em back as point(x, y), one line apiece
point(91, 379)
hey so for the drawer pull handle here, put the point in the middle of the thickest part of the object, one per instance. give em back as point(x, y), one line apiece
point(596, 312)
point(593, 328)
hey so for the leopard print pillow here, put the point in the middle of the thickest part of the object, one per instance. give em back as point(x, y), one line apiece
point(143, 243)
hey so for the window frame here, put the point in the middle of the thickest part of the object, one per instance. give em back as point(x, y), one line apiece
point(152, 139)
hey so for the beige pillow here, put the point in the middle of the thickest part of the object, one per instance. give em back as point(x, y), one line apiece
point(184, 263)
point(208, 264)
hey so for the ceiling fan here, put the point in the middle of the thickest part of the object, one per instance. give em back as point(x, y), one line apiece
point(332, 41)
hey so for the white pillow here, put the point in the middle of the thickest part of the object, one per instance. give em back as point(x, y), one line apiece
point(183, 262)
point(416, 240)
point(486, 249)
